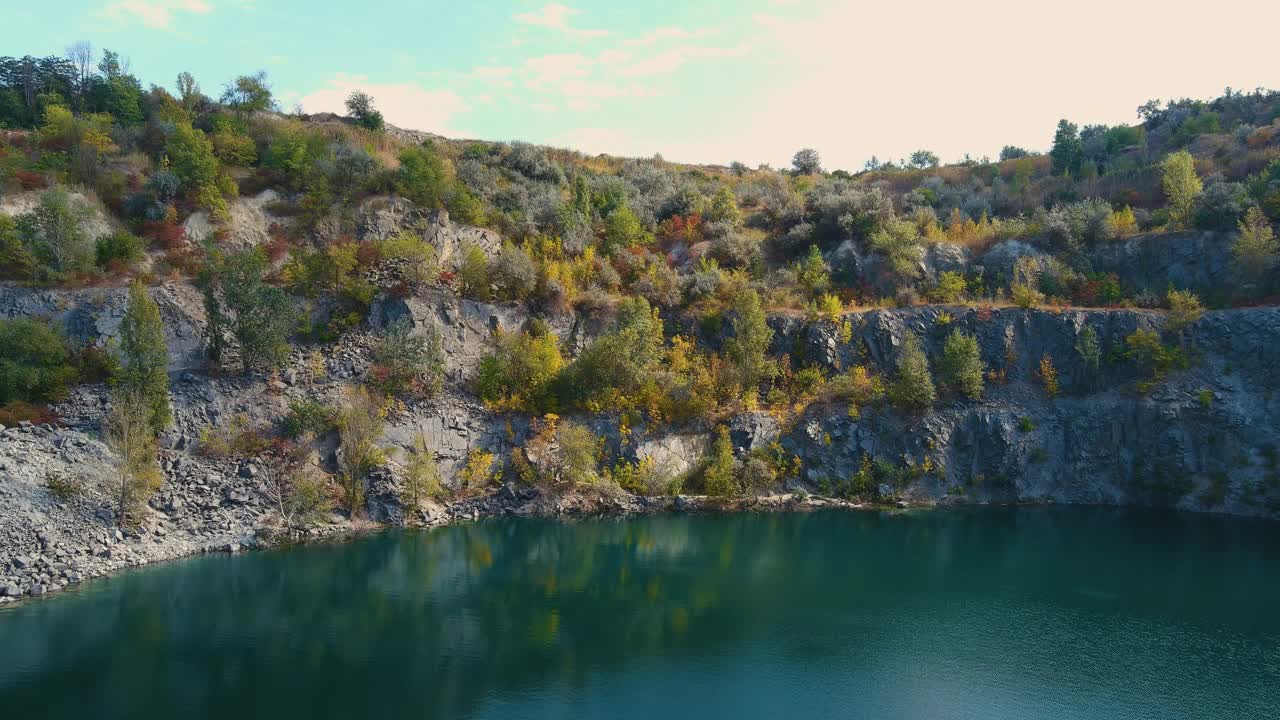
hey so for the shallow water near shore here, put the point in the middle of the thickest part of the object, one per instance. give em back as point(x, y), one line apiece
point(977, 613)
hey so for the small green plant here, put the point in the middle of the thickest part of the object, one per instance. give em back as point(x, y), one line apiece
point(62, 486)
point(1025, 425)
point(478, 472)
point(309, 417)
point(1205, 397)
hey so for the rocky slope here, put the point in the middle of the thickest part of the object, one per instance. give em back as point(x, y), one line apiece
point(1206, 438)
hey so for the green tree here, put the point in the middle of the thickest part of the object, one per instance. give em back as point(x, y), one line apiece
point(360, 423)
point(188, 91)
point(421, 475)
point(54, 235)
point(259, 316)
point(724, 207)
point(812, 272)
point(16, 260)
point(1090, 350)
point(622, 229)
point(424, 177)
point(473, 273)
point(360, 106)
point(899, 242)
point(1255, 251)
point(718, 479)
point(961, 364)
point(34, 362)
point(1067, 153)
point(191, 158)
point(1181, 186)
point(519, 373)
point(145, 355)
point(129, 434)
point(950, 288)
point(806, 162)
point(1184, 310)
point(913, 387)
point(408, 363)
point(248, 94)
point(924, 159)
point(750, 342)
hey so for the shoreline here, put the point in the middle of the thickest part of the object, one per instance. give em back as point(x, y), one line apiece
point(128, 551)
point(528, 503)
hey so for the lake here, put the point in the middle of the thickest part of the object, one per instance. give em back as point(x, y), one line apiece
point(993, 613)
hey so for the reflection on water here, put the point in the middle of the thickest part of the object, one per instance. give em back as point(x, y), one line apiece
point(1053, 613)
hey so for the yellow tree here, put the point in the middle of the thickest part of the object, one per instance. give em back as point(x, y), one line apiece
point(1255, 251)
point(1181, 186)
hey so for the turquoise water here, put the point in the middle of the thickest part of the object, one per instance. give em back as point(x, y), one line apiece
point(994, 614)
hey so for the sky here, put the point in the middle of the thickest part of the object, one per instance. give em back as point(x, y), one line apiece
point(706, 81)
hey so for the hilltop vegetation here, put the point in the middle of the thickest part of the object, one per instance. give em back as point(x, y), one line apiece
point(102, 180)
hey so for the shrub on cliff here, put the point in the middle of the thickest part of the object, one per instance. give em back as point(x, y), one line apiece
point(145, 370)
point(913, 387)
point(54, 235)
point(1254, 253)
point(35, 363)
point(405, 363)
point(961, 364)
point(718, 478)
point(518, 374)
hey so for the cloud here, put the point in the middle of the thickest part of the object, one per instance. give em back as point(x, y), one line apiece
point(403, 104)
point(672, 60)
point(157, 14)
point(556, 17)
point(545, 70)
point(666, 33)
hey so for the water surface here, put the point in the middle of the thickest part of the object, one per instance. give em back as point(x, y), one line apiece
point(995, 614)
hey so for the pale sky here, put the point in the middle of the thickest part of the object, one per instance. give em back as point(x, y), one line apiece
point(712, 81)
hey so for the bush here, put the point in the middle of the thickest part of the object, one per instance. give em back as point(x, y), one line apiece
point(513, 273)
point(424, 177)
point(1048, 375)
point(1152, 356)
point(418, 258)
point(718, 478)
point(16, 261)
point(1255, 251)
point(54, 235)
point(121, 249)
point(1222, 205)
point(961, 364)
point(1184, 310)
point(859, 387)
point(473, 273)
point(519, 373)
point(35, 364)
point(950, 288)
point(913, 388)
point(309, 417)
point(899, 242)
point(405, 363)
point(478, 472)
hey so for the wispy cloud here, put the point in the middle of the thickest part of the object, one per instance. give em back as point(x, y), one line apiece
point(667, 33)
point(404, 104)
point(672, 60)
point(556, 17)
point(156, 14)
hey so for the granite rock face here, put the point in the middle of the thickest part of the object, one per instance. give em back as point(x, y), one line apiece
point(1206, 438)
point(93, 315)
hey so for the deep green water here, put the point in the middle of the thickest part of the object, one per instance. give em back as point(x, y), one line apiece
point(992, 614)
